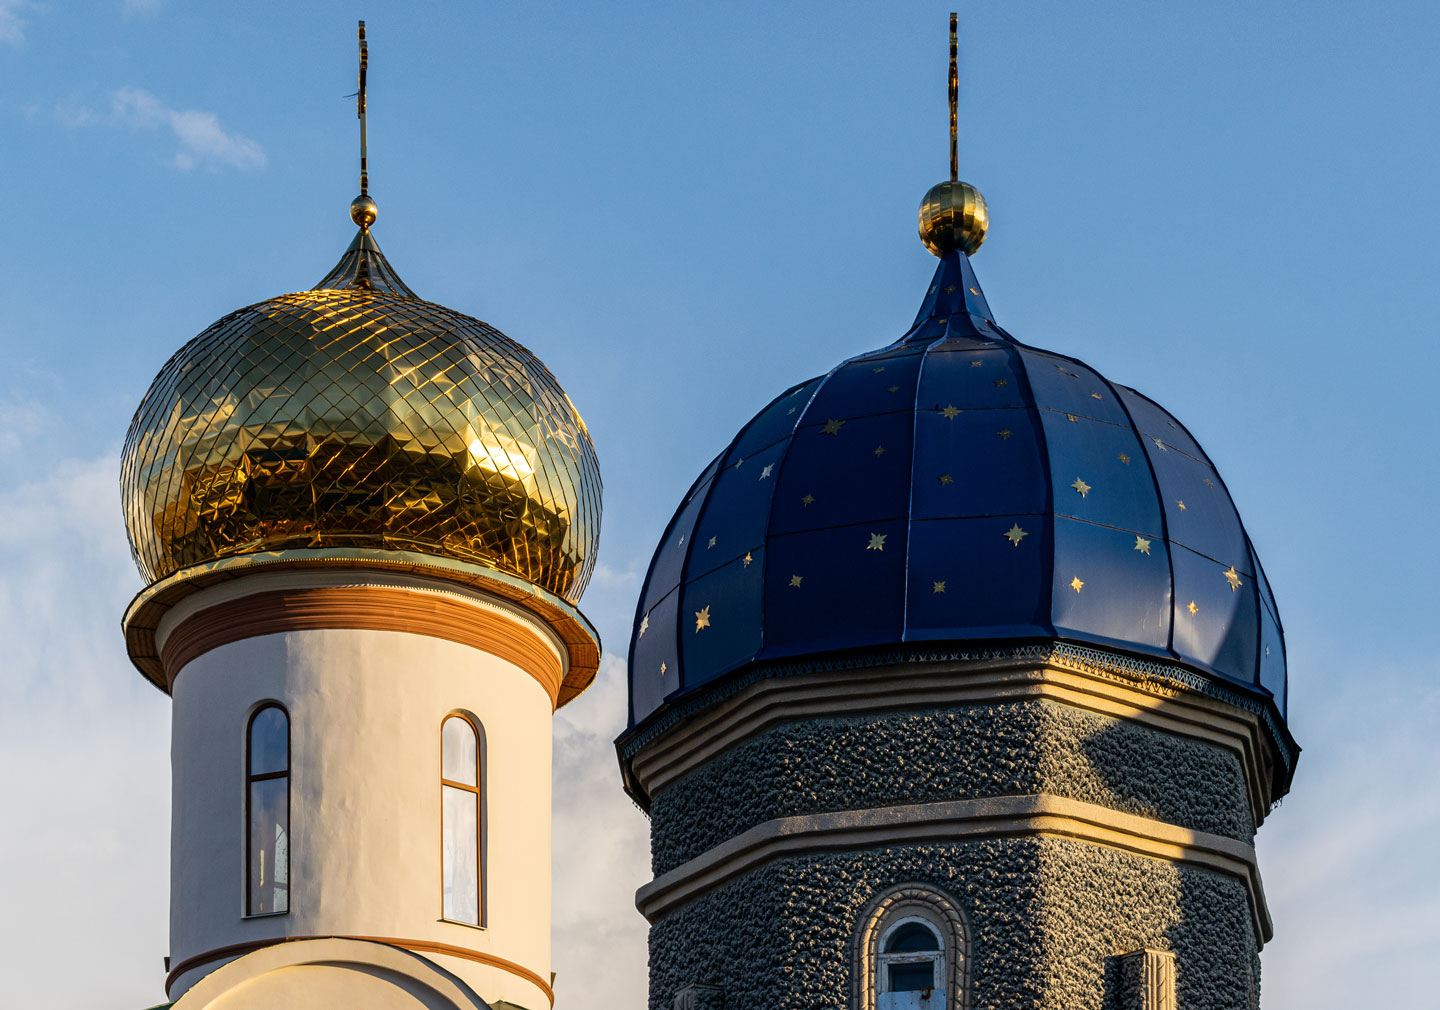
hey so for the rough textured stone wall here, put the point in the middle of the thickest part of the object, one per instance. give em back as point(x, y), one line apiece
point(920, 756)
point(1047, 917)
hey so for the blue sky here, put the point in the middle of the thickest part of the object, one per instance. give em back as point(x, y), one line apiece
point(683, 209)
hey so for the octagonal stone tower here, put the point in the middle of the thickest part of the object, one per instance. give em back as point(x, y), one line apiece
point(956, 682)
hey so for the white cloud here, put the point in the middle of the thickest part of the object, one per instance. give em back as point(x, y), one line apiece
point(202, 138)
point(1349, 874)
point(12, 25)
point(601, 855)
point(84, 741)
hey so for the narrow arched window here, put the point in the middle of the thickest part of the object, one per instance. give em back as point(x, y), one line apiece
point(460, 820)
point(911, 952)
point(267, 812)
point(912, 966)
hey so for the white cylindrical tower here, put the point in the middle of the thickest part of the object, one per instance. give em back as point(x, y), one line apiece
point(364, 520)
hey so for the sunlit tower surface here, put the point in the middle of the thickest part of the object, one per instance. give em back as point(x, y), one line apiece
point(364, 521)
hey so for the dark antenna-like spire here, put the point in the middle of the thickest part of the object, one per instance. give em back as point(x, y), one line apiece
point(954, 96)
point(362, 209)
point(365, 64)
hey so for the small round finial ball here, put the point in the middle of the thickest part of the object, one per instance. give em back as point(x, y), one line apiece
point(363, 211)
point(953, 216)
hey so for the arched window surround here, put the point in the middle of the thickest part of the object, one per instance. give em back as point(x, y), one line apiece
point(455, 907)
point(268, 769)
point(890, 909)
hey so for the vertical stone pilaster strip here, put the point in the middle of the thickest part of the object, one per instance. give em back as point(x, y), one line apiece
point(1147, 980)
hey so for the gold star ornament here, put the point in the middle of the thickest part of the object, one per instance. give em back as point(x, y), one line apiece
point(1004, 433)
point(1015, 534)
point(767, 470)
point(644, 626)
point(663, 667)
point(938, 587)
point(748, 559)
point(1192, 608)
point(710, 544)
point(946, 480)
point(808, 500)
point(1081, 487)
point(879, 450)
point(1076, 584)
point(832, 427)
point(950, 411)
point(1142, 545)
point(877, 542)
point(795, 580)
point(1233, 577)
point(702, 617)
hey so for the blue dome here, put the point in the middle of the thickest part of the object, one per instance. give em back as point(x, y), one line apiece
point(956, 486)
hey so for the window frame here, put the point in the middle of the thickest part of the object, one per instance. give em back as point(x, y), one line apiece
point(890, 910)
point(250, 779)
point(885, 958)
point(478, 791)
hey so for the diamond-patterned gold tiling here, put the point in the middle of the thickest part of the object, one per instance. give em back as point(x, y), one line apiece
point(355, 418)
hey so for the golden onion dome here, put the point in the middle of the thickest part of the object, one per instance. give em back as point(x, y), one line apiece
point(356, 415)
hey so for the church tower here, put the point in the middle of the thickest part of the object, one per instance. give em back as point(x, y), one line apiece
point(956, 682)
point(364, 521)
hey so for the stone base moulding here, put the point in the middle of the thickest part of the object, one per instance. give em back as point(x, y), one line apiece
point(1088, 686)
point(239, 950)
point(955, 821)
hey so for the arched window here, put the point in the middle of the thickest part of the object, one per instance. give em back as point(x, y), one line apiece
point(912, 952)
point(912, 966)
point(460, 820)
point(267, 812)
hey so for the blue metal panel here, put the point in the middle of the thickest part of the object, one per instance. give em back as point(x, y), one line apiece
point(979, 578)
point(851, 591)
point(720, 615)
point(1110, 586)
point(1221, 631)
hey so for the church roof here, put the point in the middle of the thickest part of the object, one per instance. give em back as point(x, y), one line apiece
point(955, 486)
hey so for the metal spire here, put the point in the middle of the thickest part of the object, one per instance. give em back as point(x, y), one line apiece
point(954, 97)
point(363, 210)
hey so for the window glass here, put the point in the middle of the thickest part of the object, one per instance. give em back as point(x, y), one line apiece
point(912, 936)
point(267, 813)
point(461, 854)
point(912, 976)
point(269, 846)
point(459, 750)
point(269, 741)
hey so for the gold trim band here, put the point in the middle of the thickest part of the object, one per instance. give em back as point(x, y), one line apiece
point(416, 946)
point(372, 608)
point(955, 821)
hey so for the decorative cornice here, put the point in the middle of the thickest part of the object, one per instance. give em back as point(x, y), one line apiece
point(371, 608)
point(954, 821)
point(1151, 677)
point(578, 640)
point(417, 946)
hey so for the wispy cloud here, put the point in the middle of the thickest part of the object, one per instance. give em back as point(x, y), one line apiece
point(203, 140)
point(12, 25)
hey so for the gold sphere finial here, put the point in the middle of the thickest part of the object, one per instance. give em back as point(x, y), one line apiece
point(363, 210)
point(953, 215)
